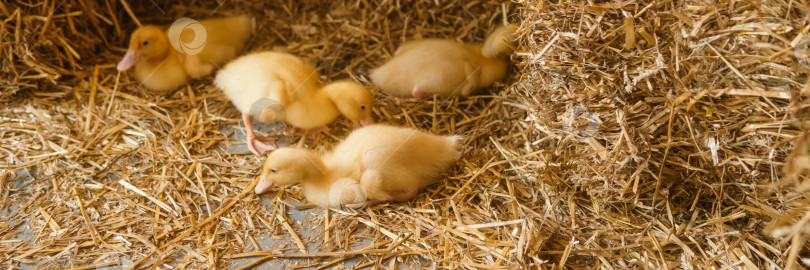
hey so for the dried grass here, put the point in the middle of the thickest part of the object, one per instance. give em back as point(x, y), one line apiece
point(697, 105)
point(641, 134)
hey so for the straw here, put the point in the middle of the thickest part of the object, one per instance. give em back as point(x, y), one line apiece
point(641, 134)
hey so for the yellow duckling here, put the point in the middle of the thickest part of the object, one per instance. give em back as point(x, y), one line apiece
point(274, 86)
point(374, 164)
point(165, 60)
point(445, 67)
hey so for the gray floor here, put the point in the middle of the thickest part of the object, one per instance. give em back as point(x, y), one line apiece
point(21, 181)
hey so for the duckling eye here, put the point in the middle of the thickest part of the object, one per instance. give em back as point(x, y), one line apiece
point(362, 107)
point(145, 43)
point(272, 170)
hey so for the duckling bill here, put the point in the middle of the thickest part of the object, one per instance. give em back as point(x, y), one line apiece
point(376, 163)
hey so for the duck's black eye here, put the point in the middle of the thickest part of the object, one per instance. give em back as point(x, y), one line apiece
point(272, 170)
point(145, 43)
point(362, 107)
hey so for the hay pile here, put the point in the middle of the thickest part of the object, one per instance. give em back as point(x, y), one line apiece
point(645, 134)
point(661, 129)
point(44, 44)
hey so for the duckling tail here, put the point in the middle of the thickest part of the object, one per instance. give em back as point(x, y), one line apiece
point(500, 41)
point(455, 144)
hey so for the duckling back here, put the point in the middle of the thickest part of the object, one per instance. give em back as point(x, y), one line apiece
point(433, 66)
point(440, 67)
point(226, 37)
point(393, 163)
point(265, 75)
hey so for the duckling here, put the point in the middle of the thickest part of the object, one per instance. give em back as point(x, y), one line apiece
point(275, 86)
point(429, 67)
point(374, 164)
point(161, 67)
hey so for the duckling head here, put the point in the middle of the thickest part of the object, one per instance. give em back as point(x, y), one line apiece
point(147, 42)
point(352, 100)
point(500, 41)
point(289, 166)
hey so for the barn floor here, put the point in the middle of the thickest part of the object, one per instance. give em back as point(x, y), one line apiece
point(628, 135)
point(301, 220)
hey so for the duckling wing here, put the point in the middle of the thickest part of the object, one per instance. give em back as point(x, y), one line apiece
point(246, 92)
point(394, 164)
point(225, 37)
point(377, 157)
point(196, 67)
point(379, 178)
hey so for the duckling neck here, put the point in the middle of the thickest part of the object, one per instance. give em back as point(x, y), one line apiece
point(330, 93)
point(315, 183)
point(317, 191)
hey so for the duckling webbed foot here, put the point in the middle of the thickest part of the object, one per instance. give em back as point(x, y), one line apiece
point(257, 144)
point(357, 206)
point(419, 93)
point(405, 195)
point(311, 133)
point(362, 205)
